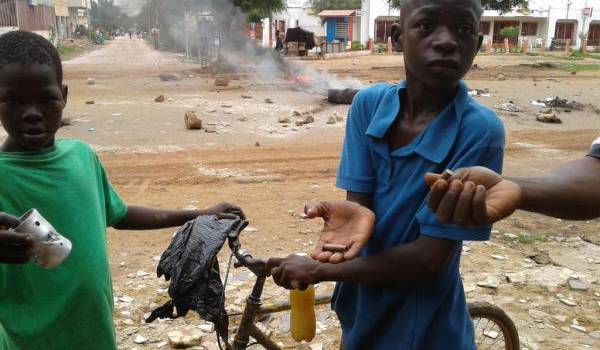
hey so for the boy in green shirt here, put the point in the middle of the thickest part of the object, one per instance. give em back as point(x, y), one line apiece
point(68, 307)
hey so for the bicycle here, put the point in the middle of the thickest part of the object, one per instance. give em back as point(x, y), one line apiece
point(494, 329)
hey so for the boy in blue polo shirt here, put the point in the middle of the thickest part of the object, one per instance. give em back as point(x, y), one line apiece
point(405, 290)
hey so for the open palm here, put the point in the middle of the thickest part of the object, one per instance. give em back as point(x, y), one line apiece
point(346, 224)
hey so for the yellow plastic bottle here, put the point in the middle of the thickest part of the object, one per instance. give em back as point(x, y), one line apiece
point(303, 322)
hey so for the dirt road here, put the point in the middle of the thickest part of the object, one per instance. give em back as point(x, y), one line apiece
point(272, 171)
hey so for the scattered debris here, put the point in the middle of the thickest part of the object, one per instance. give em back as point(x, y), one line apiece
point(296, 114)
point(480, 93)
point(501, 77)
point(269, 101)
point(538, 104)
point(284, 120)
point(65, 122)
point(139, 339)
point(338, 117)
point(257, 144)
point(553, 79)
point(221, 81)
point(548, 116)
point(508, 106)
point(538, 65)
point(243, 119)
point(541, 257)
point(211, 110)
point(341, 96)
point(489, 282)
point(160, 98)
point(91, 81)
point(170, 77)
point(185, 337)
point(192, 121)
point(90, 102)
point(210, 128)
point(331, 120)
point(578, 284)
point(557, 102)
point(246, 96)
point(308, 118)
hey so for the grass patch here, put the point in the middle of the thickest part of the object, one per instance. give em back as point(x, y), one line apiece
point(525, 238)
point(71, 49)
point(580, 67)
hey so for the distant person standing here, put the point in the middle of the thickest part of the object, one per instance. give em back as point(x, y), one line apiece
point(278, 42)
point(155, 37)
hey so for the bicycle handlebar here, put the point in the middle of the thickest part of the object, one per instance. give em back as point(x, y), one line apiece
point(245, 259)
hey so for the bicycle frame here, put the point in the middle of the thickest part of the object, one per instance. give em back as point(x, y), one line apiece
point(254, 308)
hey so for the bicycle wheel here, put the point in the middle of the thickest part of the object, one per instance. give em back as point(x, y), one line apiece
point(494, 330)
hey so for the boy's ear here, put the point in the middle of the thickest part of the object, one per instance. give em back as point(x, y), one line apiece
point(65, 92)
point(397, 36)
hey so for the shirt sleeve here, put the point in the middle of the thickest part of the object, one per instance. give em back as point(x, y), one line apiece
point(595, 152)
point(356, 173)
point(115, 207)
point(488, 156)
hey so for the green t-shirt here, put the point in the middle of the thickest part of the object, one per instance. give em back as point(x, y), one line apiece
point(70, 306)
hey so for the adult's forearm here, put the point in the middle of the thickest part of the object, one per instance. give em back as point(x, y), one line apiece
point(571, 192)
point(140, 218)
point(416, 261)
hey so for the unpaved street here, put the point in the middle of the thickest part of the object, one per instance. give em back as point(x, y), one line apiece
point(272, 169)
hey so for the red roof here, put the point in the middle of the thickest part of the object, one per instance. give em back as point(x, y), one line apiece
point(337, 13)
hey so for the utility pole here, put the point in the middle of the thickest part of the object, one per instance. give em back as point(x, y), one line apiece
point(569, 7)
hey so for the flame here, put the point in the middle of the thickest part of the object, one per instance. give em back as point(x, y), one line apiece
point(300, 79)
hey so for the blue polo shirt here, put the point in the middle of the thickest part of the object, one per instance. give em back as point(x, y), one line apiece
point(595, 152)
point(423, 315)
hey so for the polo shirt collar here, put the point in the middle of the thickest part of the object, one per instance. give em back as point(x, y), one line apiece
point(438, 138)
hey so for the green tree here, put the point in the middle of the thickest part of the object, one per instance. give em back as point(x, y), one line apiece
point(108, 17)
point(500, 5)
point(322, 5)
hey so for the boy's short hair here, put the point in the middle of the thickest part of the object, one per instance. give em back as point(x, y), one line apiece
point(25, 48)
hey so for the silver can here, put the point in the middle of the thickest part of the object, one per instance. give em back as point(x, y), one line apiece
point(50, 247)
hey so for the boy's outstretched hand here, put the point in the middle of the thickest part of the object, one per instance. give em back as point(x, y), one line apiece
point(346, 224)
point(472, 197)
point(15, 248)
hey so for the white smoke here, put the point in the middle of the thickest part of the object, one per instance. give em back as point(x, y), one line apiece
point(246, 55)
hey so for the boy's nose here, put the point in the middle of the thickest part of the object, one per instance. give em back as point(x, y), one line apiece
point(445, 42)
point(32, 115)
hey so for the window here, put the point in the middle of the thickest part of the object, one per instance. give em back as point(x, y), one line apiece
point(594, 35)
point(484, 28)
point(341, 30)
point(529, 29)
point(564, 31)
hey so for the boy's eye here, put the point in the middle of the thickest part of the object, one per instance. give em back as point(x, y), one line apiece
point(466, 29)
point(425, 26)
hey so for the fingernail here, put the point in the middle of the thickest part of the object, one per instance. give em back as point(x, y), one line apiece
point(456, 185)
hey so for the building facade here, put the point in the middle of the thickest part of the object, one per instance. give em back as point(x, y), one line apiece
point(79, 11)
point(32, 15)
point(549, 21)
point(377, 17)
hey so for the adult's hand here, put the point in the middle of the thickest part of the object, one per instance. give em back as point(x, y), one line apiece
point(346, 224)
point(293, 272)
point(473, 197)
point(15, 248)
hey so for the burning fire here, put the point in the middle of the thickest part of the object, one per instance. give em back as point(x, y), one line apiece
point(300, 79)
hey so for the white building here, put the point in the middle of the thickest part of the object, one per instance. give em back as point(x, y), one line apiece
point(377, 18)
point(552, 20)
point(298, 13)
